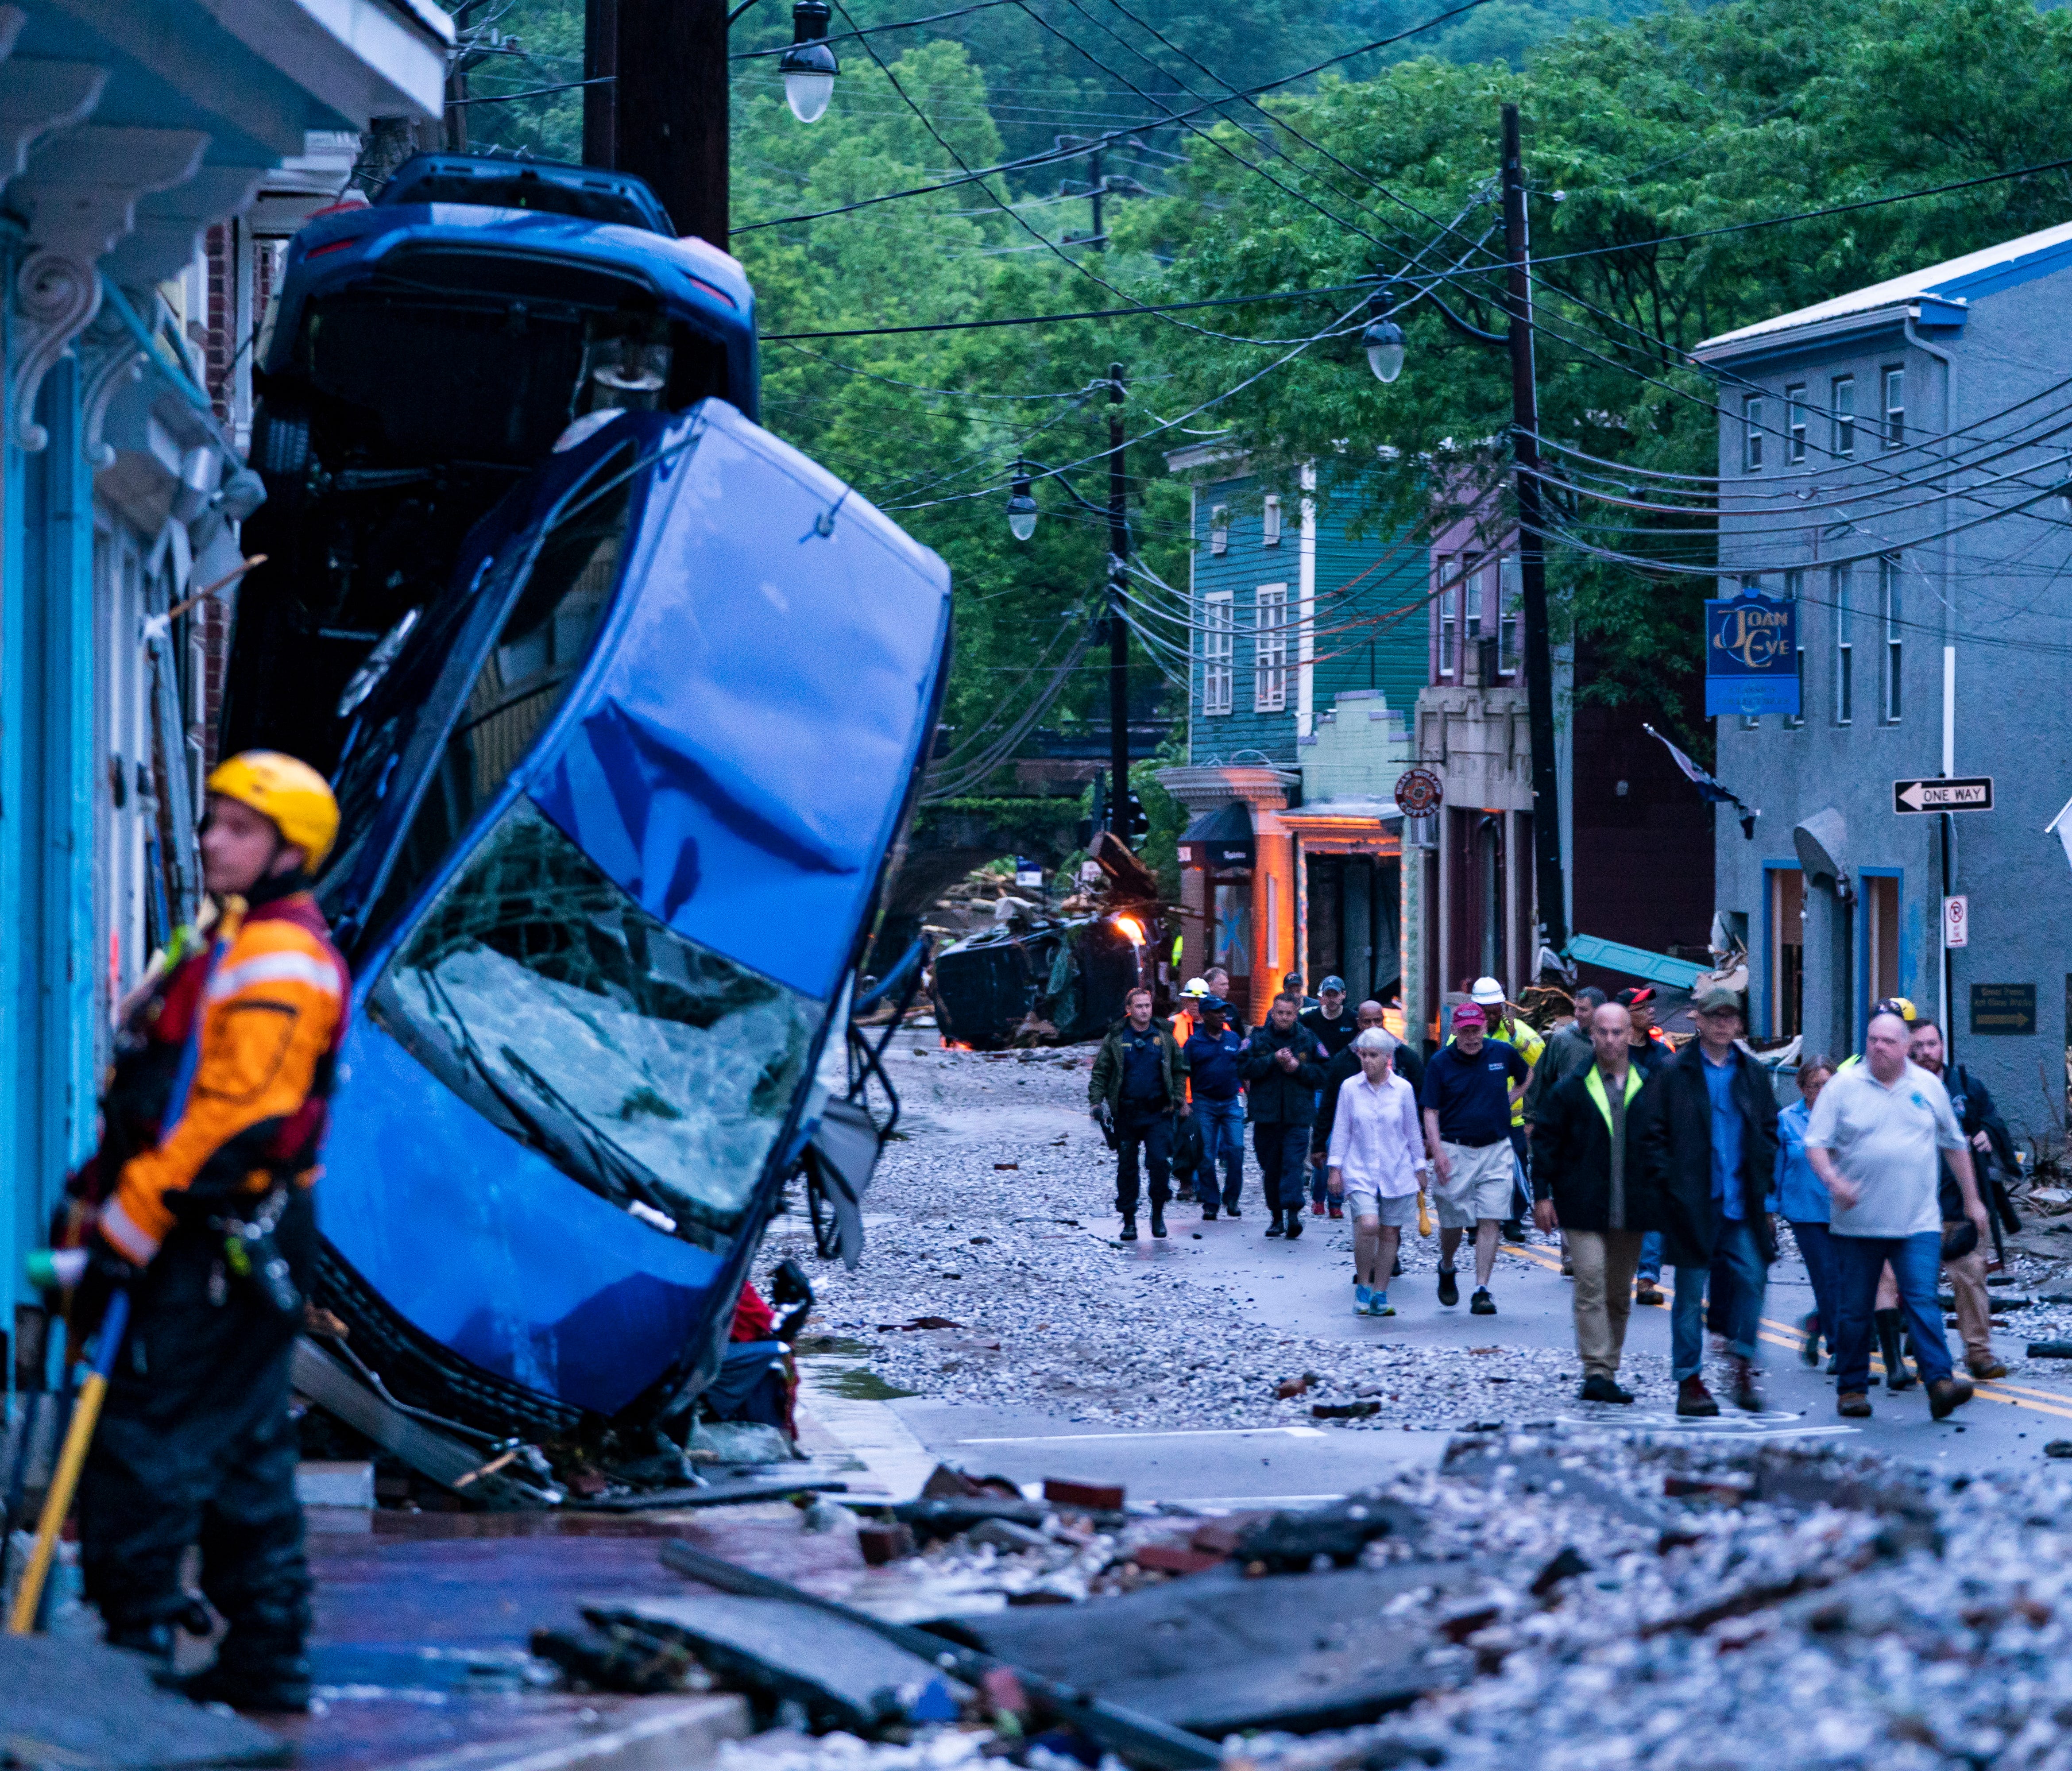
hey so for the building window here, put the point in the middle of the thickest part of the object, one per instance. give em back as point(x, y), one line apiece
point(1510, 600)
point(1842, 404)
point(1881, 936)
point(1450, 615)
point(1895, 408)
point(1794, 593)
point(1219, 646)
point(1269, 522)
point(1752, 435)
point(1888, 618)
point(1269, 650)
point(1795, 424)
point(1472, 593)
point(1845, 681)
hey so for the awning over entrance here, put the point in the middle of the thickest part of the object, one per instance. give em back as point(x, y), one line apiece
point(1220, 839)
point(1347, 826)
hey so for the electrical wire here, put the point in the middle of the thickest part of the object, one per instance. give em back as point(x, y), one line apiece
point(1052, 156)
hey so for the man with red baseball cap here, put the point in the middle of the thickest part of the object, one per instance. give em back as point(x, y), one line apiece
point(1470, 1088)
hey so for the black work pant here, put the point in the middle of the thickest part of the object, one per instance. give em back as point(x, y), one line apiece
point(195, 1445)
point(1150, 1130)
point(1284, 1160)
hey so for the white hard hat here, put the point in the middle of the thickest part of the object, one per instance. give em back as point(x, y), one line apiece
point(1487, 992)
point(1195, 986)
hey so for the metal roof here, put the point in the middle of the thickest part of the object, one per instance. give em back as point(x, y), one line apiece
point(1939, 294)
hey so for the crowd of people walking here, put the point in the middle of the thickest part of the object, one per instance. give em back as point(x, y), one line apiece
point(1636, 1154)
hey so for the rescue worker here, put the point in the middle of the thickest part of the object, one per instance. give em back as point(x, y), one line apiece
point(199, 1204)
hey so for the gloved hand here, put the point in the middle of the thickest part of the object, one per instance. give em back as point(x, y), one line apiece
point(107, 1272)
point(1103, 1116)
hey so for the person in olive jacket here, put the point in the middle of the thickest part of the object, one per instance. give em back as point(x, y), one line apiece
point(1283, 1068)
point(1596, 1157)
point(1719, 1132)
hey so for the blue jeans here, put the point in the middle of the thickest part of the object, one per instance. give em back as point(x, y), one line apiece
point(1917, 1265)
point(1738, 1262)
point(1816, 1243)
point(1223, 1141)
point(1650, 1269)
point(1284, 1160)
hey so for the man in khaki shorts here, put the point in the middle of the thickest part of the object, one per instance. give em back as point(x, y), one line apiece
point(1469, 1089)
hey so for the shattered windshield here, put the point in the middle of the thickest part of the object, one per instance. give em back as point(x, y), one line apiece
point(651, 1068)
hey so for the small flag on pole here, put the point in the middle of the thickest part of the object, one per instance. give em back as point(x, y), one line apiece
point(1714, 794)
point(2061, 824)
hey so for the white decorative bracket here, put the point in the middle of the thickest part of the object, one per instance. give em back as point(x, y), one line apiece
point(80, 191)
point(112, 362)
point(58, 295)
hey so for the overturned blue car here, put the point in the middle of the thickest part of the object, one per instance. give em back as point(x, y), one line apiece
point(627, 702)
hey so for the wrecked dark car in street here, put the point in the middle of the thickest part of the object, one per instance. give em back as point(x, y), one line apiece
point(626, 701)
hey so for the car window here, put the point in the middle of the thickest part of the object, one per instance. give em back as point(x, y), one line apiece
point(541, 646)
point(647, 1067)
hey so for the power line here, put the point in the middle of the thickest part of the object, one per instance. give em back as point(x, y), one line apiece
point(1089, 144)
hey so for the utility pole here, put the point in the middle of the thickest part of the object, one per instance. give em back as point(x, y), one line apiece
point(1532, 546)
point(600, 134)
point(1118, 630)
point(671, 121)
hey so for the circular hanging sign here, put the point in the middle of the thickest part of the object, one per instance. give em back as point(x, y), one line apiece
point(1418, 793)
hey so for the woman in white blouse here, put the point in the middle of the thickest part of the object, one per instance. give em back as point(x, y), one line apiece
point(1376, 1159)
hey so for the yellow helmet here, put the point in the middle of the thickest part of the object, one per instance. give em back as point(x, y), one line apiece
point(290, 793)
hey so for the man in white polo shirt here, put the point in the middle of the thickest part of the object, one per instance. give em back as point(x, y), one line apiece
point(1874, 1140)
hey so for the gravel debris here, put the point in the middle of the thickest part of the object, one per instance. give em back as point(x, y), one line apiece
point(1052, 1315)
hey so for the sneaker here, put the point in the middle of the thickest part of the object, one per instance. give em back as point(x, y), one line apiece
point(1597, 1388)
point(1449, 1293)
point(1482, 1303)
point(1695, 1402)
point(1158, 1220)
point(1273, 1229)
point(1129, 1227)
point(1316, 1208)
point(1337, 1210)
point(1363, 1296)
point(1945, 1396)
point(1854, 1404)
point(1381, 1305)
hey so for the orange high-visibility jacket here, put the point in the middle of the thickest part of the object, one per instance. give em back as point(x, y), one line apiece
point(273, 1014)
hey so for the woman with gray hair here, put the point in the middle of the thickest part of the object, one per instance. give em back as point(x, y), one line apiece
point(1376, 1157)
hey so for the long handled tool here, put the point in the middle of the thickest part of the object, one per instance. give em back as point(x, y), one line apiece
point(64, 1479)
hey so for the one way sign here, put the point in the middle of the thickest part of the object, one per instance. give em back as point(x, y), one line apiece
point(1974, 793)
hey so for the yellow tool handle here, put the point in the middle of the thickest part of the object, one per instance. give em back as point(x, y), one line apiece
point(64, 1481)
point(1424, 1215)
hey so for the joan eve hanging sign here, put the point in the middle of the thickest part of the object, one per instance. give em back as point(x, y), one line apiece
point(1751, 655)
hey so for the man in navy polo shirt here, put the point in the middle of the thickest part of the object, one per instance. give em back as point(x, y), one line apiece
point(1469, 1089)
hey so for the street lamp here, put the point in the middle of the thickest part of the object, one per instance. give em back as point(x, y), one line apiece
point(809, 66)
point(1022, 507)
point(1383, 340)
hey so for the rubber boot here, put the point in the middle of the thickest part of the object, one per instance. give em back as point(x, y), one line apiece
point(1896, 1376)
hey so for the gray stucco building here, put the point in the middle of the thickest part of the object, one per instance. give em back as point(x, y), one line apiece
point(1890, 462)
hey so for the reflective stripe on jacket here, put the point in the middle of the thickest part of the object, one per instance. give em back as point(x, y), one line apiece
point(272, 1015)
